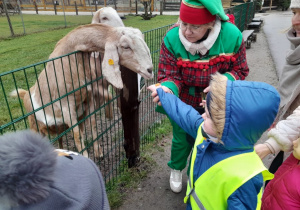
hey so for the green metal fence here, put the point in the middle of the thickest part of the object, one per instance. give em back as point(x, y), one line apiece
point(109, 137)
point(243, 13)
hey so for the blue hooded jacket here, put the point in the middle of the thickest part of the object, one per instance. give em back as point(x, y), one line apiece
point(251, 108)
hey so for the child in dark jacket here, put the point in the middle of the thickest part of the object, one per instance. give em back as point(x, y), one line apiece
point(35, 176)
point(225, 172)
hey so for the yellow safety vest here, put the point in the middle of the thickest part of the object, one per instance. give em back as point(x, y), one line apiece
point(212, 189)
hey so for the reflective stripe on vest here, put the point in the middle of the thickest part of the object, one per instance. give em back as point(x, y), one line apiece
point(212, 189)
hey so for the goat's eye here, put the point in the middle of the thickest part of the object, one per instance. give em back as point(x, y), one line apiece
point(105, 18)
point(126, 47)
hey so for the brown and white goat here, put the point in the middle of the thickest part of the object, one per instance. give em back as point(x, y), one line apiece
point(122, 46)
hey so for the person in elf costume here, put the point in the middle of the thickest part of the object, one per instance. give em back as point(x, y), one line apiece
point(225, 171)
point(201, 43)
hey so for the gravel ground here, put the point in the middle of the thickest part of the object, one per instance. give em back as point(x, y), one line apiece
point(154, 192)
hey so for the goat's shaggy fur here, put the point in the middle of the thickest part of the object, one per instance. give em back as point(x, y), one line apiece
point(122, 45)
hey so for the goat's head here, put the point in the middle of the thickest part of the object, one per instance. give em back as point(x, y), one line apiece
point(108, 16)
point(130, 51)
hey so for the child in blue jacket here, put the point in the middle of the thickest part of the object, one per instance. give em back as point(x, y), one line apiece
point(225, 172)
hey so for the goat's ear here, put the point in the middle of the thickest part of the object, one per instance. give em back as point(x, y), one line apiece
point(110, 66)
point(96, 18)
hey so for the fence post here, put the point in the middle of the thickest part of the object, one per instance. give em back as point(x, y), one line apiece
point(20, 12)
point(247, 20)
point(76, 9)
point(54, 4)
point(130, 115)
point(36, 8)
point(136, 7)
point(151, 7)
point(115, 3)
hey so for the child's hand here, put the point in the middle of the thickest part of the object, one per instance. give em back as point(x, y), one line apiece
point(203, 103)
point(262, 150)
point(206, 90)
point(154, 92)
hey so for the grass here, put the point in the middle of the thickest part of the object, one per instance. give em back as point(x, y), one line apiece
point(34, 47)
point(38, 23)
point(131, 177)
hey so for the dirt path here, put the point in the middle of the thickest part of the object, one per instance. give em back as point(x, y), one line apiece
point(154, 192)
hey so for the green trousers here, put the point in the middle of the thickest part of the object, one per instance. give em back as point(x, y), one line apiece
point(180, 149)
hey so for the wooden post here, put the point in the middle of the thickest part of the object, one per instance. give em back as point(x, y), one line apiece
point(152, 7)
point(36, 8)
point(96, 2)
point(130, 115)
point(161, 7)
point(76, 9)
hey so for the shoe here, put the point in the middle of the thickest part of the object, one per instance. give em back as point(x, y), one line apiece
point(176, 181)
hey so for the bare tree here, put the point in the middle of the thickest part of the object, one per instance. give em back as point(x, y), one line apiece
point(147, 8)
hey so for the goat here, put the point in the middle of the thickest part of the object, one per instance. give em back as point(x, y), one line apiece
point(122, 45)
point(108, 16)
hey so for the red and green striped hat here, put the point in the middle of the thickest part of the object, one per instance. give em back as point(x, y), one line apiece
point(201, 11)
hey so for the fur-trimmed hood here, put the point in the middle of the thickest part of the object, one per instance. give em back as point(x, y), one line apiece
point(237, 128)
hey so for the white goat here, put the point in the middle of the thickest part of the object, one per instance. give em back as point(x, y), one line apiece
point(108, 16)
point(122, 45)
